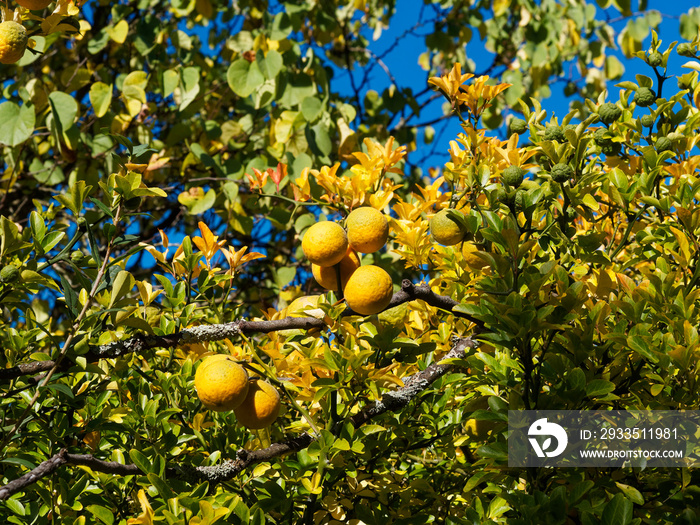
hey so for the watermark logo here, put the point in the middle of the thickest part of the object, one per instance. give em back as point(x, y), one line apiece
point(542, 427)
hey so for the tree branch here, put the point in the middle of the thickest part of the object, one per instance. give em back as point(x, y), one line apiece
point(217, 332)
point(391, 402)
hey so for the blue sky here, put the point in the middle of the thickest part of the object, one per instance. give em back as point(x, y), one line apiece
point(403, 61)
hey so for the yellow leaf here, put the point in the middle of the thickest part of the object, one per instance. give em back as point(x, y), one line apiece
point(119, 32)
point(146, 516)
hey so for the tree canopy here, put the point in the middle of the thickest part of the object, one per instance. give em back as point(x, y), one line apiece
point(162, 164)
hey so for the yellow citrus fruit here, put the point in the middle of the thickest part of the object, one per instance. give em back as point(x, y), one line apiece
point(326, 275)
point(34, 5)
point(221, 383)
point(368, 229)
point(305, 306)
point(260, 407)
point(325, 243)
point(446, 231)
point(13, 42)
point(369, 290)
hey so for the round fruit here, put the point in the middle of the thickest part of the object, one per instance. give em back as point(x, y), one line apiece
point(654, 59)
point(325, 243)
point(518, 199)
point(644, 97)
point(685, 50)
point(369, 290)
point(499, 195)
point(13, 42)
point(221, 383)
point(9, 274)
point(518, 125)
point(445, 230)
point(305, 306)
point(647, 121)
point(513, 176)
point(663, 144)
point(260, 407)
point(326, 275)
point(34, 5)
point(368, 229)
point(601, 137)
point(554, 133)
point(612, 149)
point(561, 172)
point(609, 113)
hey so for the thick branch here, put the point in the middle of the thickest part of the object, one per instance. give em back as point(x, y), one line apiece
point(390, 402)
point(217, 332)
point(43, 470)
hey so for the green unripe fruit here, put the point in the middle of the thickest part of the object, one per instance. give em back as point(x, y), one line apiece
point(561, 172)
point(647, 121)
point(600, 137)
point(518, 200)
point(9, 274)
point(513, 176)
point(685, 50)
point(654, 59)
point(554, 133)
point(609, 113)
point(610, 150)
point(518, 125)
point(644, 97)
point(499, 195)
point(663, 144)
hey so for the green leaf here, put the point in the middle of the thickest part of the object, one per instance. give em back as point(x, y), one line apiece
point(311, 108)
point(599, 387)
point(631, 493)
point(19, 461)
point(639, 345)
point(51, 240)
point(190, 86)
point(618, 511)
point(123, 284)
point(270, 65)
point(38, 226)
point(170, 82)
point(100, 98)
point(75, 197)
point(103, 514)
point(140, 461)
point(244, 77)
point(161, 486)
point(17, 123)
point(16, 506)
point(70, 296)
point(285, 275)
point(64, 108)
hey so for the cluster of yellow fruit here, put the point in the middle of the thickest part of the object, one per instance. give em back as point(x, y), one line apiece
point(223, 385)
point(367, 289)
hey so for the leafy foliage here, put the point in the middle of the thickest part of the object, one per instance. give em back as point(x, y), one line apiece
point(220, 126)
